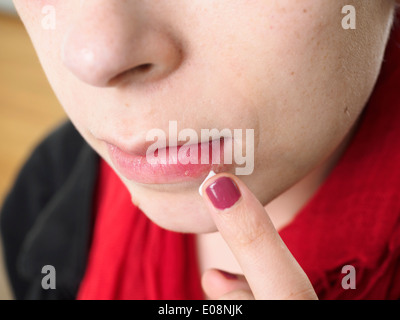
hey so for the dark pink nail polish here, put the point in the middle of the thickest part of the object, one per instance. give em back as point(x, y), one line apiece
point(228, 275)
point(223, 193)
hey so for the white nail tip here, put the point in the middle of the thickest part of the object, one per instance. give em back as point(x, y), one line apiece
point(211, 174)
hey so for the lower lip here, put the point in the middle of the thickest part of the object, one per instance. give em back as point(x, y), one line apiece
point(138, 169)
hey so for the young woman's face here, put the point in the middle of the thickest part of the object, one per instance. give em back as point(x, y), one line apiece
point(286, 69)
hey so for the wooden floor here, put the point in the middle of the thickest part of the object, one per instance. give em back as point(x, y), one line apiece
point(28, 108)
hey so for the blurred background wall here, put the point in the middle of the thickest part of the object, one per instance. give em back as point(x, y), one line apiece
point(28, 107)
point(7, 6)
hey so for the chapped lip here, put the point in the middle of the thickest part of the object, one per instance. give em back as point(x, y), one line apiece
point(133, 164)
point(140, 149)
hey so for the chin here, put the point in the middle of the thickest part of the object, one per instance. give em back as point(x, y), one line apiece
point(175, 211)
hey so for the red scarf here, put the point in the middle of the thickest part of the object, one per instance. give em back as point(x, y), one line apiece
point(353, 219)
point(133, 258)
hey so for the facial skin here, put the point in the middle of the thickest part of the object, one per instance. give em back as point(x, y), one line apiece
point(284, 68)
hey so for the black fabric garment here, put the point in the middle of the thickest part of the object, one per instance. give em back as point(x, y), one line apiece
point(46, 217)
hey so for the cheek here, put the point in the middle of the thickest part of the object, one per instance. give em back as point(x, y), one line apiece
point(48, 42)
point(311, 86)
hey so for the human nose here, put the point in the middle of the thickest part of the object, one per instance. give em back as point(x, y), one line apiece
point(114, 41)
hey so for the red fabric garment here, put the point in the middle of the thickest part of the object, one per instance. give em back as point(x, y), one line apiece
point(353, 219)
point(133, 258)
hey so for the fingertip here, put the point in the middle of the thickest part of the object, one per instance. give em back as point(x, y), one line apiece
point(222, 191)
point(202, 186)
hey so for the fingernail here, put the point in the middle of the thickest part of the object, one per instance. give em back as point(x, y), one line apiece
point(211, 174)
point(223, 193)
point(228, 275)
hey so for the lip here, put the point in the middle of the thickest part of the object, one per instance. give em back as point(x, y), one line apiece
point(180, 164)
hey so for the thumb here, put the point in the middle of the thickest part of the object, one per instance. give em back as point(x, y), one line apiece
point(218, 283)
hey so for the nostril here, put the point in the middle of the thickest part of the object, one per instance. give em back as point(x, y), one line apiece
point(137, 73)
point(144, 67)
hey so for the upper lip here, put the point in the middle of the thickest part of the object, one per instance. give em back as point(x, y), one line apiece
point(141, 146)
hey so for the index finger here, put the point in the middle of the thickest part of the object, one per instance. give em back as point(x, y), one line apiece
point(269, 267)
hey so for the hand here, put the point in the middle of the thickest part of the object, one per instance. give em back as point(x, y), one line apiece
point(270, 270)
